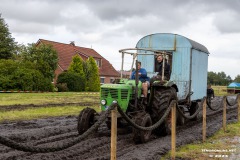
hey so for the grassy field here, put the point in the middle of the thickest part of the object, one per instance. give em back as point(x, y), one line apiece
point(55, 98)
point(42, 112)
point(219, 146)
point(220, 90)
point(44, 99)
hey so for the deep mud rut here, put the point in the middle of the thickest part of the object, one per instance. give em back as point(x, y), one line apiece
point(47, 132)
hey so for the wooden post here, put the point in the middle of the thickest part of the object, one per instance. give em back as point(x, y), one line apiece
point(204, 120)
point(114, 134)
point(238, 101)
point(224, 113)
point(173, 132)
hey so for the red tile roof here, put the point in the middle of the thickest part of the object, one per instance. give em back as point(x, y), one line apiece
point(67, 51)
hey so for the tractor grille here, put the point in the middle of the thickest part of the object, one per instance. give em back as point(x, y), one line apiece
point(104, 92)
point(124, 93)
point(114, 93)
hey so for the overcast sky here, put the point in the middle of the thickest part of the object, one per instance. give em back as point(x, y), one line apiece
point(110, 25)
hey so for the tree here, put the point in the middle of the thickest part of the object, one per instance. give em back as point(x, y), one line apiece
point(76, 66)
point(7, 44)
point(86, 70)
point(7, 68)
point(15, 75)
point(219, 78)
point(228, 80)
point(212, 78)
point(237, 78)
point(44, 57)
point(93, 81)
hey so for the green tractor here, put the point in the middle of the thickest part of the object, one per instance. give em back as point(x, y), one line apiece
point(127, 93)
point(187, 86)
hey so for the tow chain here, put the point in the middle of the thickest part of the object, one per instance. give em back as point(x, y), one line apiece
point(152, 127)
point(210, 107)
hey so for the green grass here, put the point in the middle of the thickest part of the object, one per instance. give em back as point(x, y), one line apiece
point(220, 141)
point(46, 98)
point(220, 90)
point(43, 112)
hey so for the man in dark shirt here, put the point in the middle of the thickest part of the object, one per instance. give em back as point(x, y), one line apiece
point(210, 92)
point(159, 66)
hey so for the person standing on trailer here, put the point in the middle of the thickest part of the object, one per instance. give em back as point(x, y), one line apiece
point(159, 66)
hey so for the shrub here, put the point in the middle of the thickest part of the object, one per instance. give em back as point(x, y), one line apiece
point(62, 87)
point(74, 81)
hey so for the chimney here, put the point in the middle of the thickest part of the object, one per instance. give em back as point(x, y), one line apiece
point(72, 43)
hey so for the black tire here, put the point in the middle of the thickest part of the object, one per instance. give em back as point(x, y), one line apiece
point(180, 118)
point(161, 101)
point(108, 123)
point(193, 108)
point(119, 123)
point(86, 119)
point(140, 136)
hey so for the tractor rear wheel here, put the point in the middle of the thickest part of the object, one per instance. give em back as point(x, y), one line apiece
point(161, 101)
point(140, 136)
point(86, 119)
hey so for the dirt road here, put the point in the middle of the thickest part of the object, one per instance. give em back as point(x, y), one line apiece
point(50, 131)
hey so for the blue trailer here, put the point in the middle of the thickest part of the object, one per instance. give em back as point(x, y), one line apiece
point(188, 60)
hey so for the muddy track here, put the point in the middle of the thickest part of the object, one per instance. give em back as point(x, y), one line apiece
point(27, 106)
point(47, 132)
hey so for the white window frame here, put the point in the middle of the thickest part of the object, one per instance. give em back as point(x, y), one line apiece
point(103, 80)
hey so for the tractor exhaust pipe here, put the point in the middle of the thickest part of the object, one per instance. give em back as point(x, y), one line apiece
point(136, 82)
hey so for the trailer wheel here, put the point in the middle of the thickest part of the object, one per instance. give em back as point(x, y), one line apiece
point(108, 123)
point(161, 101)
point(140, 136)
point(193, 108)
point(119, 123)
point(86, 119)
point(180, 118)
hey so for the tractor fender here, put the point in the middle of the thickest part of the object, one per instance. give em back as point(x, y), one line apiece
point(171, 84)
point(166, 84)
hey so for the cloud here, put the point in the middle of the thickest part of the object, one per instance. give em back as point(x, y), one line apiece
point(228, 22)
point(110, 25)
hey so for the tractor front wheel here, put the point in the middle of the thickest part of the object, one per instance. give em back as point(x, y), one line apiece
point(86, 119)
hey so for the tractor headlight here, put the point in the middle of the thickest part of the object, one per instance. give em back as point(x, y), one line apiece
point(115, 101)
point(103, 102)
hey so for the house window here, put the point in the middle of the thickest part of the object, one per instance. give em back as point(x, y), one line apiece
point(102, 80)
point(98, 62)
point(112, 80)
